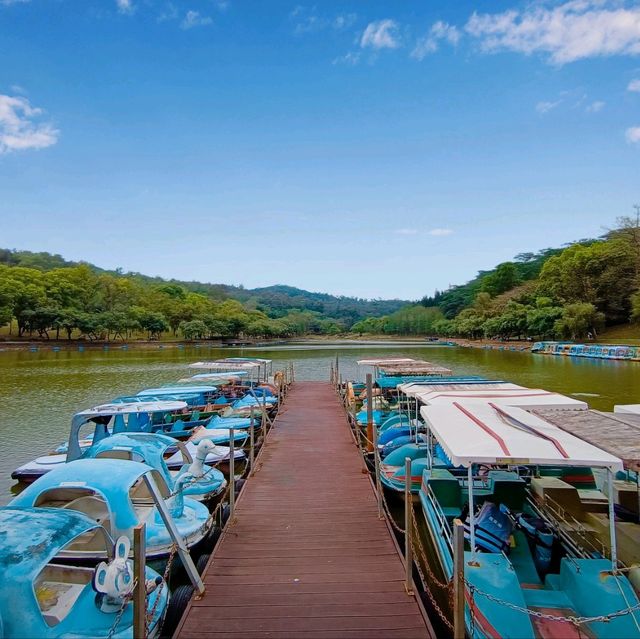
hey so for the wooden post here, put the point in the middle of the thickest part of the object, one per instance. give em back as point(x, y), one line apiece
point(408, 528)
point(458, 580)
point(140, 592)
point(370, 446)
point(251, 442)
point(232, 474)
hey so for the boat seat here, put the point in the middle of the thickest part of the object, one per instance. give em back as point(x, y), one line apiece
point(508, 489)
point(559, 496)
point(92, 506)
point(447, 491)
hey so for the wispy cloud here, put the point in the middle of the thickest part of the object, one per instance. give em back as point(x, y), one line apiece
point(568, 32)
point(351, 58)
point(634, 86)
point(21, 126)
point(441, 232)
point(125, 6)
point(546, 106)
point(439, 32)
point(308, 20)
point(406, 231)
point(632, 135)
point(381, 34)
point(595, 107)
point(194, 19)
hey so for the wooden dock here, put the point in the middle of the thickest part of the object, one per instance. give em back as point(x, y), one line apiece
point(307, 556)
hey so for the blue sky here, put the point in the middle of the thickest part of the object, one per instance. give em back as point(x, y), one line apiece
point(377, 149)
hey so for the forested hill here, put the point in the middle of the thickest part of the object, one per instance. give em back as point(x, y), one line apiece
point(42, 293)
point(570, 292)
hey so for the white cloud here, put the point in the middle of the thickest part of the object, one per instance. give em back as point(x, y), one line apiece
point(595, 107)
point(194, 19)
point(406, 231)
point(125, 6)
point(441, 232)
point(308, 20)
point(381, 34)
point(632, 135)
point(568, 32)
point(440, 31)
point(545, 107)
point(21, 127)
point(351, 58)
point(634, 86)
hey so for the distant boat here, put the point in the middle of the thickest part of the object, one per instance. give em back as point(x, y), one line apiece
point(591, 351)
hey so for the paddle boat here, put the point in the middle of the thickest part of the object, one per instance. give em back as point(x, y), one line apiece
point(103, 420)
point(120, 495)
point(520, 581)
point(204, 483)
point(43, 596)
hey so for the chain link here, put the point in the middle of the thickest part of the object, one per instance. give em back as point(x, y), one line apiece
point(577, 621)
point(125, 602)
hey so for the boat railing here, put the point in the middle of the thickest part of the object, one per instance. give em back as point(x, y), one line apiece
point(443, 525)
point(578, 538)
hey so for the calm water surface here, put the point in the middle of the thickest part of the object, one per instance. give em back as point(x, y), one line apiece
point(39, 392)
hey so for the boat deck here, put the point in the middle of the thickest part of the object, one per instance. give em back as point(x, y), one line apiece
point(307, 556)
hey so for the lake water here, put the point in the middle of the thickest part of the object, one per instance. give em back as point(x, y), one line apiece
point(40, 391)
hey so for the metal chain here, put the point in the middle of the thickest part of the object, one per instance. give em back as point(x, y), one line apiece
point(577, 621)
point(165, 580)
point(125, 602)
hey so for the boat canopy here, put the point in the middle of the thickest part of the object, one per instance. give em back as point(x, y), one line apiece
point(31, 537)
point(618, 434)
point(523, 398)
point(408, 380)
point(172, 390)
point(380, 361)
point(109, 410)
point(412, 389)
point(484, 433)
point(627, 409)
point(111, 478)
point(213, 376)
point(247, 359)
point(226, 365)
point(413, 368)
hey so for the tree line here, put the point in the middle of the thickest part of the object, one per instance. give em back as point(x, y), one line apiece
point(568, 293)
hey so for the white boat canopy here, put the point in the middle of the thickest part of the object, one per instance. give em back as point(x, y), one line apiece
point(412, 389)
point(627, 409)
point(381, 361)
point(106, 410)
point(174, 390)
point(485, 433)
point(225, 365)
point(212, 376)
point(523, 398)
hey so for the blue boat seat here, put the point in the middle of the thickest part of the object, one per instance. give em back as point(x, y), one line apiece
point(493, 528)
point(118, 424)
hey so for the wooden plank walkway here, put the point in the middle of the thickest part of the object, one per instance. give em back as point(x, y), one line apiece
point(307, 557)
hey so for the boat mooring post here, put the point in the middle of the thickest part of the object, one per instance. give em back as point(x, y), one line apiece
point(408, 528)
point(140, 590)
point(370, 445)
point(232, 475)
point(458, 580)
point(251, 441)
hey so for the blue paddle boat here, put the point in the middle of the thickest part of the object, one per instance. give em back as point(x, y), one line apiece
point(520, 579)
point(102, 421)
point(204, 483)
point(44, 597)
point(120, 495)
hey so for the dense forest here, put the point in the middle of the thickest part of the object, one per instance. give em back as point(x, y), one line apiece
point(568, 293)
point(45, 296)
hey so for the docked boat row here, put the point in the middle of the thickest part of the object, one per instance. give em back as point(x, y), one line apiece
point(161, 460)
point(593, 351)
point(545, 489)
